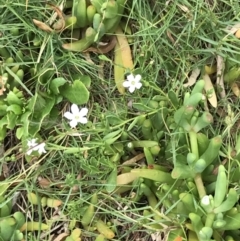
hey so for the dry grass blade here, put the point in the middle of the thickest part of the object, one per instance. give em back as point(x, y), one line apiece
point(2, 84)
point(220, 71)
point(61, 237)
point(134, 159)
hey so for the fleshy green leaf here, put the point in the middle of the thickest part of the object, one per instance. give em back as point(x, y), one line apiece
point(25, 122)
point(86, 80)
point(19, 132)
point(55, 84)
point(13, 99)
point(111, 135)
point(3, 108)
point(76, 93)
point(12, 120)
point(141, 107)
point(16, 109)
point(113, 120)
point(181, 171)
point(112, 181)
point(42, 109)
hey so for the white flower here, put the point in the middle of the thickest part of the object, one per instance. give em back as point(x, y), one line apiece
point(77, 116)
point(40, 148)
point(32, 143)
point(133, 82)
point(34, 146)
point(206, 200)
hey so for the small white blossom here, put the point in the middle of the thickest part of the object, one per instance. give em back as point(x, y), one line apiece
point(133, 82)
point(77, 116)
point(206, 200)
point(34, 146)
point(31, 143)
point(40, 148)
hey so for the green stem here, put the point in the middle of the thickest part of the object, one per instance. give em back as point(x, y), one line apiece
point(198, 177)
point(209, 220)
point(217, 236)
point(193, 143)
point(200, 186)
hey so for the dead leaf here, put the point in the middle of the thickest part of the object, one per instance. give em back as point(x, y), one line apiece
point(134, 159)
point(103, 49)
point(237, 34)
point(233, 29)
point(186, 10)
point(126, 178)
point(42, 26)
point(220, 71)
point(193, 77)
point(157, 236)
point(170, 37)
point(125, 50)
point(60, 24)
point(119, 71)
point(44, 183)
point(88, 58)
point(123, 60)
point(2, 84)
point(235, 89)
point(211, 95)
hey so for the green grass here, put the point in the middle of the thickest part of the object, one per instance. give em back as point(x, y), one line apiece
point(169, 39)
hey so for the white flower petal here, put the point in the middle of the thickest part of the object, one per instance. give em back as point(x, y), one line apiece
point(74, 109)
point(29, 152)
point(131, 89)
point(138, 85)
point(83, 112)
point(138, 77)
point(206, 200)
point(32, 143)
point(130, 77)
point(83, 120)
point(41, 148)
point(126, 84)
point(68, 115)
point(73, 123)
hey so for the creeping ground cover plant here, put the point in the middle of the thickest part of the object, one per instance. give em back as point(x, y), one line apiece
point(119, 120)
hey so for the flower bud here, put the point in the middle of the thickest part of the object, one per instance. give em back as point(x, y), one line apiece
point(207, 203)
